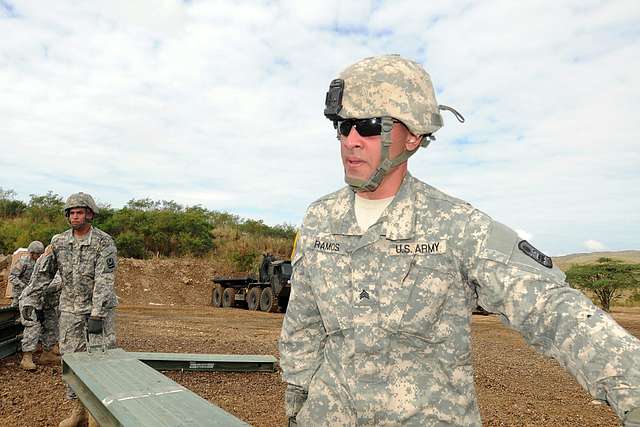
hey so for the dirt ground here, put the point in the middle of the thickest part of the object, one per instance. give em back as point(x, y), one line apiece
point(516, 386)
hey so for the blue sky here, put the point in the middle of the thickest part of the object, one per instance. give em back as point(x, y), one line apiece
point(220, 104)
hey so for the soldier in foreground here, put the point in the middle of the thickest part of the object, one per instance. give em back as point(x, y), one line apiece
point(86, 259)
point(388, 269)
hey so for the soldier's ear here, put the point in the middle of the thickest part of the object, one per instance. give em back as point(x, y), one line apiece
point(412, 142)
point(89, 213)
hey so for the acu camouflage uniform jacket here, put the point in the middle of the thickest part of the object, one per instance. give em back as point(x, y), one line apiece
point(19, 276)
point(87, 268)
point(377, 329)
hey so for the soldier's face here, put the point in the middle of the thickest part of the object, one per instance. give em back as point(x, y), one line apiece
point(79, 217)
point(361, 154)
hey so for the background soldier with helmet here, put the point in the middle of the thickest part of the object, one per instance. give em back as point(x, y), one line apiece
point(20, 274)
point(86, 260)
point(388, 270)
point(19, 277)
point(44, 328)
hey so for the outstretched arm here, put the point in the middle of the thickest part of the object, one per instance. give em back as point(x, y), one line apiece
point(517, 281)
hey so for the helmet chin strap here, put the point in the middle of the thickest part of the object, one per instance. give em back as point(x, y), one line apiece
point(386, 164)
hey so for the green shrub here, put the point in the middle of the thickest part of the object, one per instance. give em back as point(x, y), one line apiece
point(130, 245)
point(607, 279)
point(48, 207)
point(145, 226)
point(245, 261)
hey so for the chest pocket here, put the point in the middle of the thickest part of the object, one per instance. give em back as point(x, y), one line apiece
point(87, 260)
point(428, 286)
point(328, 270)
point(63, 257)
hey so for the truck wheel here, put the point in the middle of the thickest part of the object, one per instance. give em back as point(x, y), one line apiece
point(253, 298)
point(216, 299)
point(229, 297)
point(267, 301)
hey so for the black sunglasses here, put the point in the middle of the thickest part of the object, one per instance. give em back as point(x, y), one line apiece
point(365, 127)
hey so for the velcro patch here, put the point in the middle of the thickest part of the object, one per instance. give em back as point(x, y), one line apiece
point(418, 248)
point(330, 246)
point(537, 256)
point(111, 264)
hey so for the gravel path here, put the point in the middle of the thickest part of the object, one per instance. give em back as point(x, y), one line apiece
point(516, 386)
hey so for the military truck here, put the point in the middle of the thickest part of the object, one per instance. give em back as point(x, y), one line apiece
point(269, 292)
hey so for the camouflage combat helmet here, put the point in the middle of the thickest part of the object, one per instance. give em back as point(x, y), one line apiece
point(389, 87)
point(80, 200)
point(35, 247)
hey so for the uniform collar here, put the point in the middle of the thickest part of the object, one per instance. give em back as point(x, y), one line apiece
point(397, 221)
point(86, 241)
point(344, 214)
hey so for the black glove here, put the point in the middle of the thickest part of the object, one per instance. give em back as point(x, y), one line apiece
point(27, 313)
point(40, 316)
point(94, 326)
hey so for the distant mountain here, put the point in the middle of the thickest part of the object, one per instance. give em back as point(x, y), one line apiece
point(565, 261)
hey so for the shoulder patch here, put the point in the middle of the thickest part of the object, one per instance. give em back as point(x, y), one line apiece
point(535, 254)
point(111, 263)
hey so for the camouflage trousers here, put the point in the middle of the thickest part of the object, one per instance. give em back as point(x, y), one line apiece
point(15, 295)
point(73, 335)
point(47, 332)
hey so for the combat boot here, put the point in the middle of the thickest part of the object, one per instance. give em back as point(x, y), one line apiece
point(27, 362)
point(49, 357)
point(78, 416)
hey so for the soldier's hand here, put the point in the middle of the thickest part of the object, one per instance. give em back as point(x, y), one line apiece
point(40, 315)
point(633, 418)
point(27, 313)
point(94, 325)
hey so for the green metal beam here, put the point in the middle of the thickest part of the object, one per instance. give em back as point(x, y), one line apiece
point(8, 313)
point(9, 347)
point(10, 330)
point(207, 362)
point(120, 390)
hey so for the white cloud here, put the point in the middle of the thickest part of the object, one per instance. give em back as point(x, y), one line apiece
point(221, 104)
point(594, 245)
point(524, 235)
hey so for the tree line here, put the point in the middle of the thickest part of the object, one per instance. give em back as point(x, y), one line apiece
point(145, 228)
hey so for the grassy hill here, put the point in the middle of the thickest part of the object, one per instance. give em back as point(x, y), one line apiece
point(565, 261)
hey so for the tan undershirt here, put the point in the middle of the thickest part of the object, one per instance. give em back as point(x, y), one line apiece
point(368, 211)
